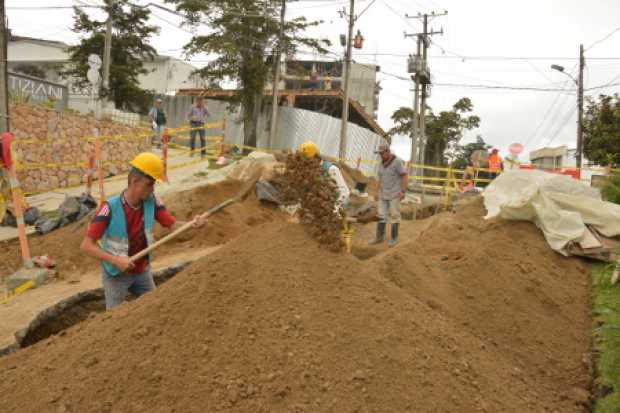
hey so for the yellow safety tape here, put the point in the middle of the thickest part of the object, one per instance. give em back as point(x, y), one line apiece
point(139, 135)
point(19, 290)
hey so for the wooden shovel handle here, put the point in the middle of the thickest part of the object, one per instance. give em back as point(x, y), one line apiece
point(184, 228)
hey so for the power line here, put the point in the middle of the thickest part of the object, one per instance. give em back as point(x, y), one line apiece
point(562, 125)
point(603, 39)
point(53, 7)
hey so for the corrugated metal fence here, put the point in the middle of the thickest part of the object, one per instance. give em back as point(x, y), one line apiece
point(295, 126)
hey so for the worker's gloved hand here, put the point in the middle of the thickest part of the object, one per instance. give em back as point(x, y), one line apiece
point(402, 195)
point(199, 221)
point(123, 264)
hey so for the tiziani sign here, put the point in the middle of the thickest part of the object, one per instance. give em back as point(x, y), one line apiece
point(38, 90)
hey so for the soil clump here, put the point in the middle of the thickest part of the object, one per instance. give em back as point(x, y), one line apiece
point(304, 183)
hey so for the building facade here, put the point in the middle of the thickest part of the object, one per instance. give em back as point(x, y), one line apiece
point(329, 75)
point(554, 158)
point(47, 58)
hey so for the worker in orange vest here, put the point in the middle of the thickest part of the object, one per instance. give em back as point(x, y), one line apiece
point(495, 163)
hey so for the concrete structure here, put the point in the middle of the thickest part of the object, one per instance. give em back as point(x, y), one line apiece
point(166, 74)
point(554, 158)
point(328, 75)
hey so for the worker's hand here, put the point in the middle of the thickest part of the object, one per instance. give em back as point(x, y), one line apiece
point(402, 195)
point(199, 221)
point(123, 264)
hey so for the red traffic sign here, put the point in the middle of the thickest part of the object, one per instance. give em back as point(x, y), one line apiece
point(515, 148)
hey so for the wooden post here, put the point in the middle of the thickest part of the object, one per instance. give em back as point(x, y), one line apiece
point(99, 164)
point(90, 170)
point(223, 135)
point(164, 149)
point(18, 201)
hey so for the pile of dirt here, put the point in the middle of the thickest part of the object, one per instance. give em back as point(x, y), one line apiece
point(472, 316)
point(64, 244)
point(303, 183)
point(501, 281)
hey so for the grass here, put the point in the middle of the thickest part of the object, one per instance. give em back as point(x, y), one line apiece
point(607, 338)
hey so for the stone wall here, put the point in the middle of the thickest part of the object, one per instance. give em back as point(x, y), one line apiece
point(59, 140)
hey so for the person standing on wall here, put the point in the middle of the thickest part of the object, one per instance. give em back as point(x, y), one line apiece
point(393, 181)
point(197, 117)
point(158, 118)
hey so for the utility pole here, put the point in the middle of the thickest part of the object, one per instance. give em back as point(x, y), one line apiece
point(579, 154)
point(107, 46)
point(425, 41)
point(422, 79)
point(4, 76)
point(276, 79)
point(416, 111)
point(347, 73)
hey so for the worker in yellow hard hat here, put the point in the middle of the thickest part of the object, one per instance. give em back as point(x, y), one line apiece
point(124, 226)
point(310, 150)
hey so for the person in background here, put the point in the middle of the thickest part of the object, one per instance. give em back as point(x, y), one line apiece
point(197, 116)
point(158, 118)
point(495, 163)
point(393, 180)
point(311, 150)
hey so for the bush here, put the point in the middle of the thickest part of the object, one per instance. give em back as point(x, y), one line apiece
point(611, 191)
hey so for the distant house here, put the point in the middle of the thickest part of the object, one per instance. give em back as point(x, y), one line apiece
point(560, 157)
point(48, 57)
point(554, 158)
point(329, 75)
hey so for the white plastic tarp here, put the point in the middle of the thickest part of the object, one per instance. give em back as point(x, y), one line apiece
point(559, 205)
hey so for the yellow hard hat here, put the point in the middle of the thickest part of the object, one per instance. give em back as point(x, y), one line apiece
point(149, 164)
point(309, 149)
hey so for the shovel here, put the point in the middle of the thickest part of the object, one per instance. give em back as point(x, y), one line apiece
point(240, 197)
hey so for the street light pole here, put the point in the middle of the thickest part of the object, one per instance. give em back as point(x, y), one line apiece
point(579, 83)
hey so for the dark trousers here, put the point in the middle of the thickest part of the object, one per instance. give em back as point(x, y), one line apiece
point(192, 137)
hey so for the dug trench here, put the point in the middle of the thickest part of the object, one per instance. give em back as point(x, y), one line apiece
point(465, 315)
point(75, 273)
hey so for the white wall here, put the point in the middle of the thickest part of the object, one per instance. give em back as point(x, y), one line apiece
point(168, 75)
point(24, 51)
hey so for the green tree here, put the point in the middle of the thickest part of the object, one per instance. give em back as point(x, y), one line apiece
point(130, 48)
point(241, 36)
point(443, 131)
point(461, 154)
point(601, 130)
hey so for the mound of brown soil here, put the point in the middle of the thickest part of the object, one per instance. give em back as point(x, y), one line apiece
point(501, 281)
point(273, 323)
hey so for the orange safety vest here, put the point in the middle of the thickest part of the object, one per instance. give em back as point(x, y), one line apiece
point(495, 163)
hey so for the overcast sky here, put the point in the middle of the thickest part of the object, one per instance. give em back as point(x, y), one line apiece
point(504, 43)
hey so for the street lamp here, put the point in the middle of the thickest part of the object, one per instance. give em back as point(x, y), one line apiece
point(579, 83)
point(561, 70)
